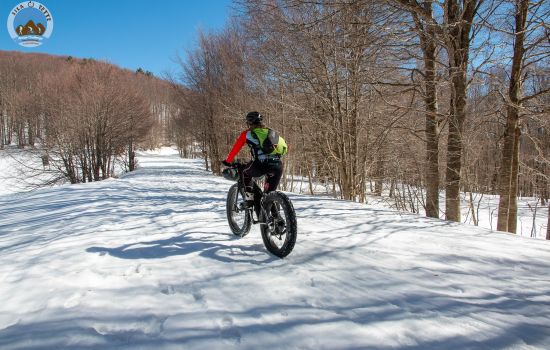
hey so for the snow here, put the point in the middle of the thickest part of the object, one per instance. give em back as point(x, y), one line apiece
point(12, 162)
point(147, 261)
point(532, 216)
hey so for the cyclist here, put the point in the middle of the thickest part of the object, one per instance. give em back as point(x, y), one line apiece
point(263, 162)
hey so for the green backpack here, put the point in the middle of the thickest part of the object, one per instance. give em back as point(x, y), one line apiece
point(270, 141)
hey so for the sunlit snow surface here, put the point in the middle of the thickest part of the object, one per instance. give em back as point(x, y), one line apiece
point(147, 261)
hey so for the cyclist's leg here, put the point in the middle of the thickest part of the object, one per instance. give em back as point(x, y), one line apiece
point(253, 169)
point(250, 170)
point(273, 176)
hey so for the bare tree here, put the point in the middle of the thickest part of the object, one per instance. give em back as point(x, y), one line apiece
point(526, 42)
point(211, 87)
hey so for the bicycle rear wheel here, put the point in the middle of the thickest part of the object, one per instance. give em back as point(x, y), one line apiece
point(238, 217)
point(280, 228)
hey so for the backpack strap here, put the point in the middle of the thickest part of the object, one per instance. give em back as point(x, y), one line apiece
point(254, 149)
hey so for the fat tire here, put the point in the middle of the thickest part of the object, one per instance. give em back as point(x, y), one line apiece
point(237, 230)
point(291, 224)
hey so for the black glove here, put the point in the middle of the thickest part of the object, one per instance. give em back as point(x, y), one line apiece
point(226, 163)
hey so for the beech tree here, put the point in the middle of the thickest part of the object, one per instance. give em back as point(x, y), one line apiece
point(455, 33)
point(529, 47)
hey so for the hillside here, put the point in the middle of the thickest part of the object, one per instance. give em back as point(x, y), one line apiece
point(147, 261)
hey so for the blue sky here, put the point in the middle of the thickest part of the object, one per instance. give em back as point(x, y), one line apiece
point(129, 33)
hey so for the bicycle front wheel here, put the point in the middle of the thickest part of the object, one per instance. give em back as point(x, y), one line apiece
point(238, 217)
point(279, 227)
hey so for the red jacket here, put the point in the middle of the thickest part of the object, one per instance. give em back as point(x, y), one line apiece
point(239, 143)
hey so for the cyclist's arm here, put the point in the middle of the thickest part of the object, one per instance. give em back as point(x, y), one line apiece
point(241, 140)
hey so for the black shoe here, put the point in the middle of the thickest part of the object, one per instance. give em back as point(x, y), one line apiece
point(245, 205)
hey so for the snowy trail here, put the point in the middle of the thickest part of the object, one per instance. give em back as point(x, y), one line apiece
point(148, 261)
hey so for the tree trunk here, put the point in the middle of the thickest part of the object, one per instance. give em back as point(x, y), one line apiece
point(392, 188)
point(427, 40)
point(508, 172)
point(2, 128)
point(20, 135)
point(131, 157)
point(548, 224)
point(513, 212)
point(213, 143)
point(379, 178)
point(30, 132)
point(454, 165)
point(309, 178)
point(459, 22)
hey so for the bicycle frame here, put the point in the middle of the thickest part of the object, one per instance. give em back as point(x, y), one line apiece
point(256, 190)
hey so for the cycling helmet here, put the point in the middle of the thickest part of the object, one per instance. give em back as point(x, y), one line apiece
point(253, 117)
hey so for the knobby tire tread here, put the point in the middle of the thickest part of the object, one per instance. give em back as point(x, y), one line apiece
point(237, 231)
point(292, 225)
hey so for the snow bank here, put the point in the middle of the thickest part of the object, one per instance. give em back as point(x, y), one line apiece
point(12, 165)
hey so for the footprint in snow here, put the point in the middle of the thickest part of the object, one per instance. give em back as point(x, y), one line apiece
point(198, 296)
point(168, 290)
point(229, 331)
point(146, 327)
